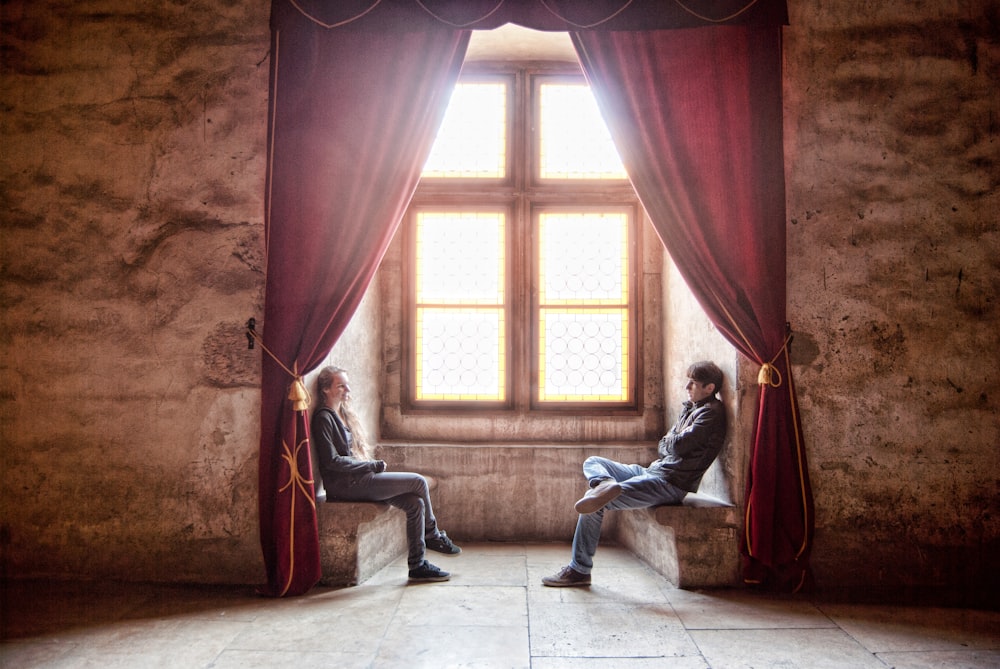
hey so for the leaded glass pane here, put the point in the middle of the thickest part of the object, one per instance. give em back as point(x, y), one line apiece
point(460, 319)
point(584, 355)
point(460, 354)
point(583, 257)
point(460, 257)
point(574, 140)
point(472, 140)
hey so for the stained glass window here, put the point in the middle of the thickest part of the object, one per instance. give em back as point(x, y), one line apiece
point(583, 310)
point(523, 260)
point(461, 316)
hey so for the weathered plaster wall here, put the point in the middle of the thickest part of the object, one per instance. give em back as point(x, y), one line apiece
point(894, 250)
point(690, 336)
point(131, 176)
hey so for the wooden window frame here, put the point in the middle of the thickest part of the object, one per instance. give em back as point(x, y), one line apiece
point(522, 193)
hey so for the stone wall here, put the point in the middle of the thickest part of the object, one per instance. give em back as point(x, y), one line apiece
point(894, 250)
point(132, 179)
point(132, 172)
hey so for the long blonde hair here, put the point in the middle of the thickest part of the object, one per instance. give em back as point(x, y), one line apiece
point(360, 446)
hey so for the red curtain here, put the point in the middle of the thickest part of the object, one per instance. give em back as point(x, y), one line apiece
point(697, 117)
point(352, 120)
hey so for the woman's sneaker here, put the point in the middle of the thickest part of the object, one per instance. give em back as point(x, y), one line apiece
point(442, 544)
point(428, 573)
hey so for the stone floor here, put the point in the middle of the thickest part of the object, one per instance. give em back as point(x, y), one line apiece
point(493, 613)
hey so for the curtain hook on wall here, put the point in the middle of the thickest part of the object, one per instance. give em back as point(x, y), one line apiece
point(251, 331)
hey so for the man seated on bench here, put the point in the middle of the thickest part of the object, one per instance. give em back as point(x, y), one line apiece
point(686, 451)
point(350, 474)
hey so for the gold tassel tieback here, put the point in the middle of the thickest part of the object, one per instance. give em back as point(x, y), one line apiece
point(298, 394)
point(769, 376)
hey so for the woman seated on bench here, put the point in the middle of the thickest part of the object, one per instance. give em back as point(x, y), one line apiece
point(350, 474)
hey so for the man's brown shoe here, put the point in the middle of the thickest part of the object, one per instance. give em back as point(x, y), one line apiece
point(598, 496)
point(567, 578)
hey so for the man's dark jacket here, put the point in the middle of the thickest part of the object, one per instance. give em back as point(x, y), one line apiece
point(692, 444)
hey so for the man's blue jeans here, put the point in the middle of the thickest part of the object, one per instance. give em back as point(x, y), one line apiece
point(640, 489)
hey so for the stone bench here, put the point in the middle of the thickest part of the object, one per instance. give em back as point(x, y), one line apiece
point(694, 544)
point(358, 539)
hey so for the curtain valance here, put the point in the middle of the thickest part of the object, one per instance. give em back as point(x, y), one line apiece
point(562, 15)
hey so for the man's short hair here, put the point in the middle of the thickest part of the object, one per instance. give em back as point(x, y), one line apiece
point(705, 372)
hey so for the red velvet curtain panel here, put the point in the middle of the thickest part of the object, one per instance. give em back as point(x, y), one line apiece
point(697, 117)
point(352, 120)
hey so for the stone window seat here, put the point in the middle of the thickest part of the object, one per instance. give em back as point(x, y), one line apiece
point(524, 492)
point(694, 544)
point(358, 539)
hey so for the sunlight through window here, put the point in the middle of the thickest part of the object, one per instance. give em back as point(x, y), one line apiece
point(472, 141)
point(523, 260)
point(583, 307)
point(575, 142)
point(460, 319)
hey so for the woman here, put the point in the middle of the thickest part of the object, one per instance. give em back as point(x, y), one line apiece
point(350, 474)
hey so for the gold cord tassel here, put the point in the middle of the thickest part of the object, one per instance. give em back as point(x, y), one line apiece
point(768, 376)
point(299, 395)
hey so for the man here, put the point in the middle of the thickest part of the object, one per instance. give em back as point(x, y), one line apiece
point(686, 451)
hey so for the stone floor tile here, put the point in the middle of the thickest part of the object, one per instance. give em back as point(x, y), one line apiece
point(319, 601)
point(48, 606)
point(489, 569)
point(395, 573)
point(263, 659)
point(941, 659)
point(434, 647)
point(35, 653)
point(696, 662)
point(206, 602)
point(549, 556)
point(167, 635)
point(308, 624)
point(739, 609)
point(637, 585)
point(454, 607)
point(494, 613)
point(603, 629)
point(783, 649)
point(153, 643)
point(494, 548)
point(882, 629)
